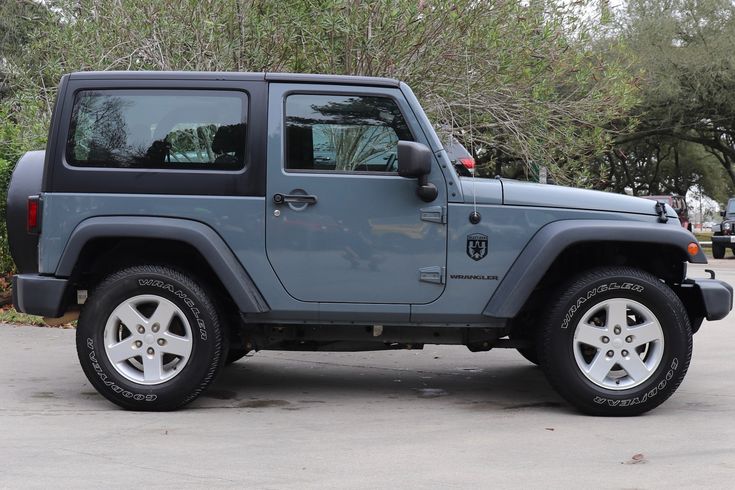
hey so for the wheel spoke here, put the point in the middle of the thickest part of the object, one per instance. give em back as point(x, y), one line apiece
point(152, 367)
point(145, 356)
point(122, 351)
point(600, 367)
point(176, 345)
point(645, 333)
point(590, 335)
point(617, 364)
point(635, 367)
point(129, 316)
point(163, 315)
point(617, 313)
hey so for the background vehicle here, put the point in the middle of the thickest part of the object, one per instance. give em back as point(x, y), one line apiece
point(680, 206)
point(150, 212)
point(723, 233)
point(461, 158)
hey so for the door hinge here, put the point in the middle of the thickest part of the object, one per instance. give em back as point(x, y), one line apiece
point(433, 274)
point(435, 214)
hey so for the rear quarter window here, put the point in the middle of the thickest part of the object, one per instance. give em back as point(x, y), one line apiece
point(159, 129)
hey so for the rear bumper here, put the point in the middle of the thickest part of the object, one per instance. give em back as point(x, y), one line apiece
point(40, 295)
point(712, 298)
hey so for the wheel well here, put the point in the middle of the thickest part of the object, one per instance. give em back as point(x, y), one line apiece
point(663, 261)
point(102, 256)
point(666, 262)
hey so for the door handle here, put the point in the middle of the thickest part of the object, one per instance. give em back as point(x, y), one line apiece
point(294, 199)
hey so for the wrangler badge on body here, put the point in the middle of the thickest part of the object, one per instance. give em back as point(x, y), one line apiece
point(477, 246)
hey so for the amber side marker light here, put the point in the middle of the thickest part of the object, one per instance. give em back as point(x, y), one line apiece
point(693, 249)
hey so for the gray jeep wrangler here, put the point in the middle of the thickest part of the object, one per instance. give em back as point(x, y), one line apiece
point(723, 233)
point(191, 218)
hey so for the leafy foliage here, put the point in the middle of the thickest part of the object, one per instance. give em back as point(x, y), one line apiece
point(684, 48)
point(523, 73)
point(15, 139)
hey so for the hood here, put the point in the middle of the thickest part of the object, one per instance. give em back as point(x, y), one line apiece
point(516, 193)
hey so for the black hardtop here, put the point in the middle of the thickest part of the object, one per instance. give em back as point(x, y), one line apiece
point(235, 76)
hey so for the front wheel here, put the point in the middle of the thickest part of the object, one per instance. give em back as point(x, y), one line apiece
point(718, 251)
point(618, 342)
point(149, 338)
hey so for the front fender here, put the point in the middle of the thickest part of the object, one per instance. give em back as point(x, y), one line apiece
point(551, 240)
point(200, 236)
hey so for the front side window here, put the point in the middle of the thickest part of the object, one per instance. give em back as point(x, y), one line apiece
point(176, 129)
point(343, 133)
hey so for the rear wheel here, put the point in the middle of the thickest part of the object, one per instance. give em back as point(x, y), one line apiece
point(149, 338)
point(234, 354)
point(618, 342)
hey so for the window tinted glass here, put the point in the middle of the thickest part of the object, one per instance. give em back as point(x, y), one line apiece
point(343, 133)
point(158, 129)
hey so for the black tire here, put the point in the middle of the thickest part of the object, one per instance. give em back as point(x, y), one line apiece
point(530, 355)
point(718, 251)
point(235, 354)
point(589, 292)
point(191, 304)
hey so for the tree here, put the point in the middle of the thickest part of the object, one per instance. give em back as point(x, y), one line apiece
point(662, 165)
point(18, 19)
point(685, 47)
point(522, 75)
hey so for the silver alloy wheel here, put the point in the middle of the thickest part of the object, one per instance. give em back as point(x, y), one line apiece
point(148, 339)
point(618, 344)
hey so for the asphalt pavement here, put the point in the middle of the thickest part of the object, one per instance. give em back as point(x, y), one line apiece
point(441, 417)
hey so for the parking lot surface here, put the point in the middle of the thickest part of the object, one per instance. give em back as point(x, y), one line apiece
point(438, 417)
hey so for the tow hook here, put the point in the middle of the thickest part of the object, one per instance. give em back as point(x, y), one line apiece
point(710, 272)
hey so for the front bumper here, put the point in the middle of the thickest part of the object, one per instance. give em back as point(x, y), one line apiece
point(40, 295)
point(707, 298)
point(724, 240)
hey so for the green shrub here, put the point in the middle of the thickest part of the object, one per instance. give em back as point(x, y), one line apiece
point(20, 131)
point(6, 170)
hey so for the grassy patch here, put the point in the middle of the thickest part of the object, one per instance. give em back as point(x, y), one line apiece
point(704, 237)
point(9, 315)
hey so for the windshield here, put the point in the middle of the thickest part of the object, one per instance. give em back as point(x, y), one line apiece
point(731, 206)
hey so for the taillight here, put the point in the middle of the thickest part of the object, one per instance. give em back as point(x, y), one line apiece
point(33, 218)
point(468, 162)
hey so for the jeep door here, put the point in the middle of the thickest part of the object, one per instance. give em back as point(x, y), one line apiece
point(341, 225)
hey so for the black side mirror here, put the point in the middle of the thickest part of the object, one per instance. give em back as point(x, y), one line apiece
point(722, 213)
point(414, 162)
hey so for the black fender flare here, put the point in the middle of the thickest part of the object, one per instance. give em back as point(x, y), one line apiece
point(551, 240)
point(203, 238)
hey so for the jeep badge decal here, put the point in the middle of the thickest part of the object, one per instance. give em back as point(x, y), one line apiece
point(477, 246)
